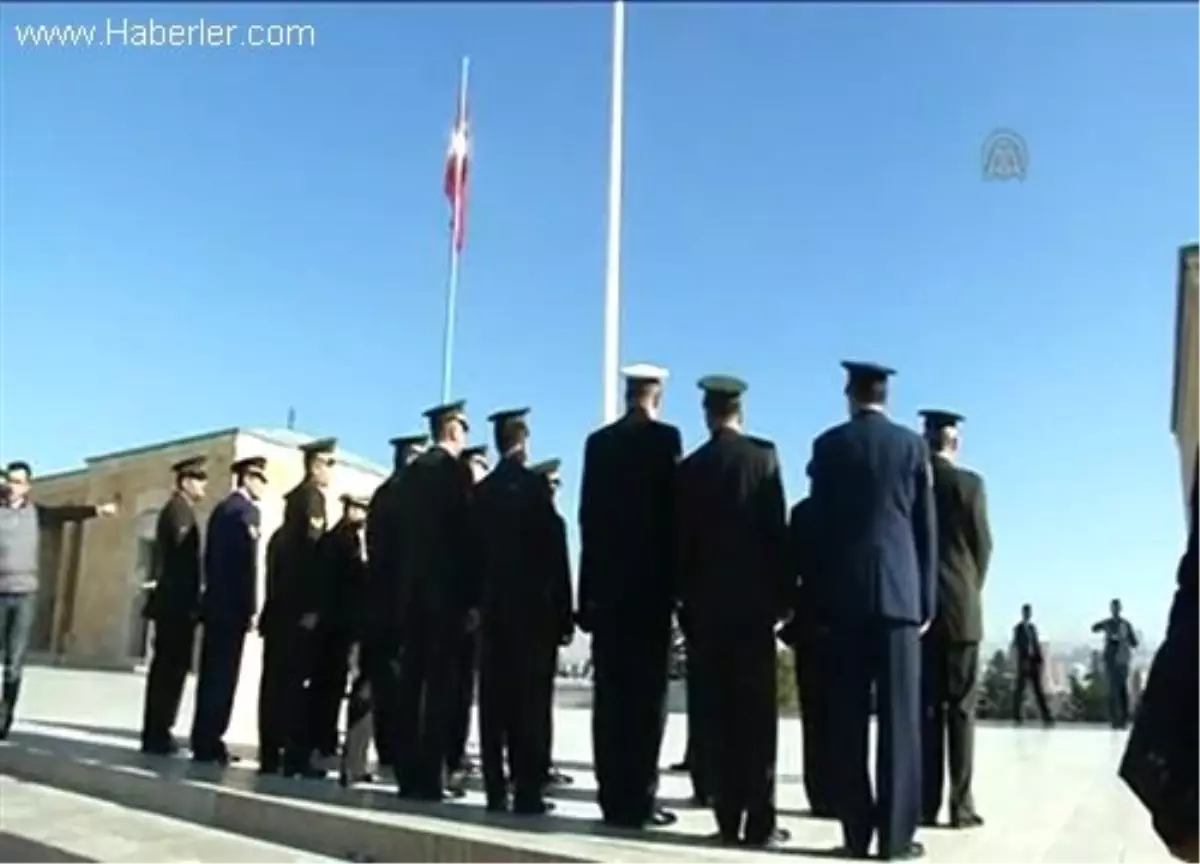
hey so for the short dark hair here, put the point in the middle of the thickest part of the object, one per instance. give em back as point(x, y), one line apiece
point(440, 423)
point(722, 406)
point(871, 391)
point(511, 433)
point(637, 389)
point(19, 465)
point(939, 437)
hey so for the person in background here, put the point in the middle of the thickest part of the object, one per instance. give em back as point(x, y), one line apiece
point(1030, 663)
point(227, 607)
point(21, 523)
point(1119, 642)
point(173, 605)
point(343, 554)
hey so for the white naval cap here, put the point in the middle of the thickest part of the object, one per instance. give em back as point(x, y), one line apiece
point(645, 372)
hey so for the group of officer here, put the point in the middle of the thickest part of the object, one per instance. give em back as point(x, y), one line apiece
point(451, 568)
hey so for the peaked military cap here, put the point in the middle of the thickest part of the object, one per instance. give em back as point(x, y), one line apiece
point(722, 385)
point(647, 372)
point(479, 451)
point(936, 418)
point(193, 466)
point(321, 445)
point(547, 468)
point(867, 372)
point(362, 501)
point(404, 441)
point(251, 463)
point(499, 417)
point(456, 409)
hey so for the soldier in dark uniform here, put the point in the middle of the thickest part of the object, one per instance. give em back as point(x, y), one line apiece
point(875, 551)
point(289, 620)
point(808, 634)
point(343, 554)
point(1120, 640)
point(227, 608)
point(735, 587)
point(950, 663)
point(1027, 651)
point(436, 592)
point(173, 605)
point(563, 629)
point(474, 459)
point(626, 595)
point(380, 646)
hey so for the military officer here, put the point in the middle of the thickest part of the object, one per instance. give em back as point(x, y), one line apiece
point(563, 628)
point(950, 667)
point(626, 594)
point(735, 586)
point(1120, 640)
point(227, 607)
point(875, 547)
point(380, 646)
point(289, 619)
point(343, 553)
point(173, 604)
point(1026, 650)
point(435, 600)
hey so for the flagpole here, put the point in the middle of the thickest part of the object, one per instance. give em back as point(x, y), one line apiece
point(455, 228)
point(612, 278)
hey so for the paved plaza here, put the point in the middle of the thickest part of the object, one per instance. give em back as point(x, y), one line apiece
point(1047, 795)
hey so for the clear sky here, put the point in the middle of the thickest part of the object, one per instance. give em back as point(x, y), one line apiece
point(200, 237)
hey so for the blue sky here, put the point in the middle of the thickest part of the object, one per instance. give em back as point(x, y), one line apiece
point(198, 237)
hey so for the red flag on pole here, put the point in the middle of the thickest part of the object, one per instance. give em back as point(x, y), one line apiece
point(457, 156)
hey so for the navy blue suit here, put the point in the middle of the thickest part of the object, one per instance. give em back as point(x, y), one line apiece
point(875, 569)
point(227, 608)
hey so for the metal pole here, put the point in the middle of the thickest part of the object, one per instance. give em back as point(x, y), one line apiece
point(612, 280)
point(455, 222)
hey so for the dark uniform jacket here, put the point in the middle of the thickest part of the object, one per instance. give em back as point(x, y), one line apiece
point(231, 563)
point(805, 619)
point(522, 554)
point(873, 522)
point(343, 578)
point(733, 568)
point(964, 549)
point(380, 595)
point(1026, 643)
point(438, 575)
point(175, 566)
point(627, 521)
point(294, 592)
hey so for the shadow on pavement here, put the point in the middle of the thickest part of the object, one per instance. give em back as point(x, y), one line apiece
point(14, 848)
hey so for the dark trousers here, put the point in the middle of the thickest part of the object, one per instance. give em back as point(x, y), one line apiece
point(425, 701)
point(697, 767)
point(886, 655)
point(1029, 673)
point(16, 625)
point(1116, 674)
point(546, 700)
point(460, 729)
point(949, 678)
point(379, 659)
point(220, 662)
point(737, 730)
point(327, 687)
point(813, 684)
point(174, 640)
point(629, 701)
point(512, 712)
point(360, 724)
point(283, 713)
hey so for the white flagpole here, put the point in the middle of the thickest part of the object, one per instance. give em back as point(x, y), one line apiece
point(455, 228)
point(612, 278)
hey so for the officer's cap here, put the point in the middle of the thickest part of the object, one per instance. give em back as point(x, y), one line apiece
point(479, 451)
point(547, 468)
point(349, 500)
point(722, 385)
point(250, 465)
point(456, 410)
point(319, 446)
point(500, 417)
point(403, 442)
point(866, 373)
point(936, 418)
point(193, 466)
point(646, 373)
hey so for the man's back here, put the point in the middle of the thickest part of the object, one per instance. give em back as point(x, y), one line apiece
point(964, 550)
point(873, 521)
point(511, 520)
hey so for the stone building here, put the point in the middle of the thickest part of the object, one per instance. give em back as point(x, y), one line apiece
point(95, 574)
point(1184, 386)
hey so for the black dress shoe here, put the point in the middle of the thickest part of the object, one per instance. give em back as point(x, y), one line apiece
point(848, 852)
point(661, 818)
point(498, 804)
point(304, 772)
point(777, 837)
point(534, 807)
point(555, 777)
point(910, 852)
point(966, 820)
point(680, 766)
point(929, 822)
point(169, 748)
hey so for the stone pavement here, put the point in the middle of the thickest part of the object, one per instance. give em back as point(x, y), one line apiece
point(1048, 795)
point(38, 823)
